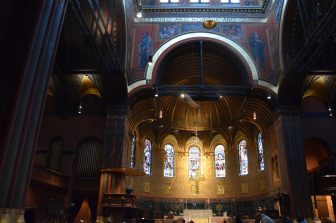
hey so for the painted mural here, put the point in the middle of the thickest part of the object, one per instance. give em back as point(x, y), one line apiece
point(259, 40)
point(143, 46)
point(167, 31)
point(278, 10)
point(233, 31)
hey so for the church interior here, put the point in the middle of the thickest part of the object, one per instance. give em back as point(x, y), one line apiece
point(135, 110)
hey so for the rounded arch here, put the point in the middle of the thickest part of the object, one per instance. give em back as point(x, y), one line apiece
point(317, 154)
point(194, 141)
point(216, 140)
point(170, 139)
point(231, 45)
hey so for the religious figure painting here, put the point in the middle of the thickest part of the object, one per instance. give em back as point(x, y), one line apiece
point(257, 46)
point(168, 30)
point(233, 31)
point(145, 49)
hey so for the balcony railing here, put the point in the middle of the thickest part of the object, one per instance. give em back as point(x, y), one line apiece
point(49, 177)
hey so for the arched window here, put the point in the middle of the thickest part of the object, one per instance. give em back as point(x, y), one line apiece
point(132, 165)
point(147, 157)
point(168, 162)
point(219, 161)
point(260, 153)
point(194, 162)
point(243, 159)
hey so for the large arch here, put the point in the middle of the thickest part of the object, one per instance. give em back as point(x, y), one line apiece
point(226, 42)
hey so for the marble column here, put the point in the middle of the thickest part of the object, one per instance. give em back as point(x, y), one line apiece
point(28, 48)
point(294, 179)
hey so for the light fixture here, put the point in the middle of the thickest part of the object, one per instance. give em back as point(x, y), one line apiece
point(160, 114)
point(269, 97)
point(254, 116)
point(139, 14)
point(209, 24)
point(156, 94)
point(182, 95)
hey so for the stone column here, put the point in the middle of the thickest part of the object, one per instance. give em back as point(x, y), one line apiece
point(28, 49)
point(115, 157)
point(294, 179)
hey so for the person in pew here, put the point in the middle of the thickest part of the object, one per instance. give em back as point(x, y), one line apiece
point(262, 218)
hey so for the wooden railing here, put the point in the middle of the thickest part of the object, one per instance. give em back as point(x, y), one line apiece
point(49, 177)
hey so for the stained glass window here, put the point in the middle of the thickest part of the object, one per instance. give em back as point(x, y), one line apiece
point(219, 161)
point(169, 1)
point(199, 1)
point(147, 157)
point(230, 1)
point(261, 153)
point(194, 162)
point(168, 161)
point(133, 151)
point(243, 159)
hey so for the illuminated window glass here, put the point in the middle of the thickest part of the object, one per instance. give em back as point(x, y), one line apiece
point(133, 151)
point(230, 1)
point(199, 1)
point(168, 162)
point(243, 159)
point(169, 1)
point(219, 161)
point(261, 153)
point(194, 162)
point(147, 157)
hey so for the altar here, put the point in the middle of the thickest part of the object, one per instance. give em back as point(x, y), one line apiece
point(197, 215)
